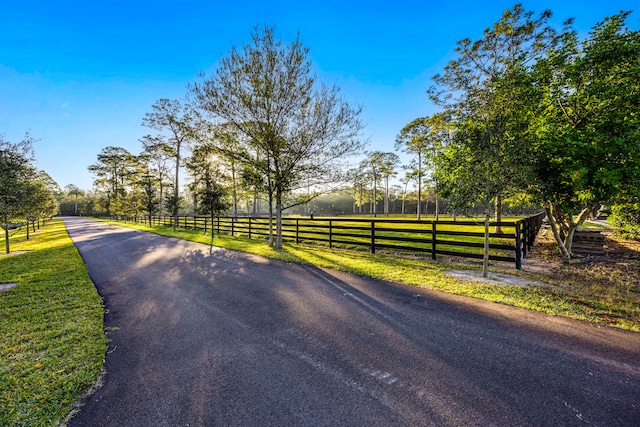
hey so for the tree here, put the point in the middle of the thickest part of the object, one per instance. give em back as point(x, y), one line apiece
point(15, 172)
point(181, 123)
point(413, 139)
point(359, 179)
point(23, 191)
point(40, 201)
point(389, 163)
point(587, 149)
point(488, 93)
point(212, 198)
point(294, 127)
point(73, 190)
point(147, 180)
point(111, 171)
point(157, 154)
point(373, 164)
point(426, 137)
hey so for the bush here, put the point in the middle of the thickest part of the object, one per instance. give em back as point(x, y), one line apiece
point(627, 217)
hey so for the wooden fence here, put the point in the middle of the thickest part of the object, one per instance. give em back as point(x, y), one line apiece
point(453, 238)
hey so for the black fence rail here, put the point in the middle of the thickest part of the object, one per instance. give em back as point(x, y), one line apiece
point(452, 238)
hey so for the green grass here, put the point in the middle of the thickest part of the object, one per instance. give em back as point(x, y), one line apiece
point(52, 344)
point(578, 301)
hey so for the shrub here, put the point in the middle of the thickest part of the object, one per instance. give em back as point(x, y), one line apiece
point(627, 217)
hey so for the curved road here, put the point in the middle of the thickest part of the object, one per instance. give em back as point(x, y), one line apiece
point(200, 339)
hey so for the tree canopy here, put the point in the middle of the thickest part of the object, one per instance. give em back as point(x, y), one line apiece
point(295, 128)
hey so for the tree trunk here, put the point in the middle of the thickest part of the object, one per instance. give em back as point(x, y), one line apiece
point(278, 219)
point(562, 232)
point(175, 190)
point(6, 239)
point(270, 220)
point(485, 258)
point(375, 195)
point(498, 208)
point(386, 196)
point(234, 191)
point(437, 216)
point(419, 184)
point(555, 228)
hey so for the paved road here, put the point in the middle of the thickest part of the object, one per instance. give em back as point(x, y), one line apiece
point(234, 339)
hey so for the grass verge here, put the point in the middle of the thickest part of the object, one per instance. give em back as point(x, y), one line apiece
point(52, 343)
point(565, 295)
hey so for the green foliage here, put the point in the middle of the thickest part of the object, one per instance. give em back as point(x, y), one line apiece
point(487, 91)
point(51, 341)
point(626, 216)
point(25, 193)
point(587, 145)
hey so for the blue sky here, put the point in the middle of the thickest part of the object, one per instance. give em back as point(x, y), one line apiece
point(80, 75)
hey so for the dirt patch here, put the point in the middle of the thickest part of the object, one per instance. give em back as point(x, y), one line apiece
point(493, 278)
point(618, 270)
point(7, 286)
point(13, 253)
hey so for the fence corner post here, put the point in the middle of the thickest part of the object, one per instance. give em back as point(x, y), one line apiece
point(330, 234)
point(518, 247)
point(373, 237)
point(433, 239)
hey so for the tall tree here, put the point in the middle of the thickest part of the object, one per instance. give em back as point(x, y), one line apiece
point(359, 181)
point(112, 170)
point(212, 197)
point(587, 149)
point(373, 164)
point(388, 165)
point(16, 175)
point(158, 154)
point(149, 184)
point(486, 91)
point(180, 123)
point(40, 201)
point(73, 190)
point(297, 127)
point(426, 137)
point(413, 139)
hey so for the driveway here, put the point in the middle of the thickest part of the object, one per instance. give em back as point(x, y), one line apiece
point(227, 338)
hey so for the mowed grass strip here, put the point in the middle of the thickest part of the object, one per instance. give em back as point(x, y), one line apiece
point(52, 343)
point(564, 296)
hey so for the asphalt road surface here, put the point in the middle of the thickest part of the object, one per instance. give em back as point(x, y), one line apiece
point(230, 339)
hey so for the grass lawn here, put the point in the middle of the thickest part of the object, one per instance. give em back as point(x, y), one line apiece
point(52, 343)
point(577, 294)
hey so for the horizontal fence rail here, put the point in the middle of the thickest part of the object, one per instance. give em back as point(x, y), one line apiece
point(453, 238)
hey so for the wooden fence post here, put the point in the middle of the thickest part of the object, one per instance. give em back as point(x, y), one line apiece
point(297, 230)
point(330, 234)
point(526, 226)
point(433, 239)
point(249, 227)
point(373, 237)
point(518, 247)
point(485, 257)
